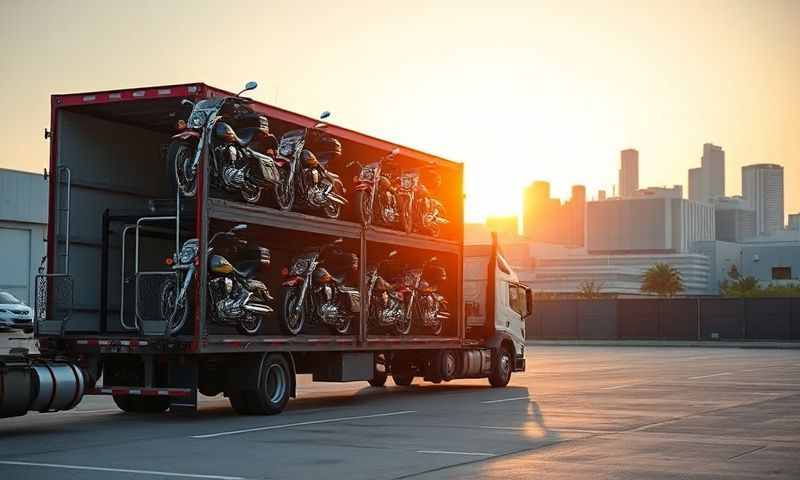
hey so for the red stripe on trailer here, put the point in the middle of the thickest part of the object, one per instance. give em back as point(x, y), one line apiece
point(145, 392)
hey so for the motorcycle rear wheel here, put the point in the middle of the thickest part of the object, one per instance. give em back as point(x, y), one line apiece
point(179, 158)
point(251, 197)
point(341, 328)
point(250, 325)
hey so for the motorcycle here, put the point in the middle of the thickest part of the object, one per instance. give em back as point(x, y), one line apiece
point(418, 210)
point(371, 184)
point(311, 291)
point(423, 302)
point(385, 303)
point(235, 164)
point(304, 173)
point(235, 296)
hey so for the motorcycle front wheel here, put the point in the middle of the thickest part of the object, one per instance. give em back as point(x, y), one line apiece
point(364, 200)
point(180, 156)
point(292, 315)
point(284, 191)
point(406, 214)
point(174, 316)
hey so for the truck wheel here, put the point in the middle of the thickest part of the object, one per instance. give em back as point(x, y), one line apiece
point(274, 386)
point(448, 365)
point(238, 402)
point(403, 380)
point(501, 370)
point(379, 379)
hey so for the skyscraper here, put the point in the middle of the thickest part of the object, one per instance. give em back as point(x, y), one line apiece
point(713, 165)
point(546, 220)
point(762, 189)
point(708, 181)
point(628, 173)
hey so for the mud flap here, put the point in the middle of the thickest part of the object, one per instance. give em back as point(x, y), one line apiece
point(183, 373)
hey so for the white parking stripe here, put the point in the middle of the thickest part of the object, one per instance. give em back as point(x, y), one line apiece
point(709, 376)
point(506, 400)
point(118, 470)
point(445, 452)
point(300, 424)
point(614, 387)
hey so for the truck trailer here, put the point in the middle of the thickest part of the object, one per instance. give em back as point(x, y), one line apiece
point(115, 220)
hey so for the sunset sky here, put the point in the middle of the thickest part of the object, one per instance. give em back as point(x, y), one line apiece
point(517, 90)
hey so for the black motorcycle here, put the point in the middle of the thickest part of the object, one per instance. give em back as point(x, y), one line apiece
point(303, 156)
point(375, 193)
point(315, 291)
point(419, 211)
point(385, 302)
point(423, 302)
point(240, 160)
point(235, 296)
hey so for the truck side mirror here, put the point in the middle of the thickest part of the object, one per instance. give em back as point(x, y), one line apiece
point(528, 302)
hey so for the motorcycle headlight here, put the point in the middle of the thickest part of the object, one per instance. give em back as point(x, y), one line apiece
point(407, 183)
point(367, 174)
point(299, 267)
point(188, 252)
point(197, 120)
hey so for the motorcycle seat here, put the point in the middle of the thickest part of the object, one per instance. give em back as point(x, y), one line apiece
point(247, 269)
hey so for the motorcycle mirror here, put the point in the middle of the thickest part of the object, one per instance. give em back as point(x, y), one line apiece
point(251, 85)
point(239, 228)
point(186, 101)
point(337, 241)
point(324, 115)
point(320, 125)
point(392, 253)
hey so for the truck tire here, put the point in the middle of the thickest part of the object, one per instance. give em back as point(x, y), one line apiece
point(502, 365)
point(275, 386)
point(139, 404)
point(379, 379)
point(238, 402)
point(403, 380)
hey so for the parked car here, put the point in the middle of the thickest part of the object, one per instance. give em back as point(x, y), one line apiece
point(14, 313)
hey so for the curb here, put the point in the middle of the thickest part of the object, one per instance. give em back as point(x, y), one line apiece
point(663, 343)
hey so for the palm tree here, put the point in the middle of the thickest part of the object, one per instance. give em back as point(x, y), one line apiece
point(589, 289)
point(662, 280)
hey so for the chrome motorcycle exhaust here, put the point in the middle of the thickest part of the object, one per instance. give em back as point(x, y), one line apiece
point(336, 198)
point(258, 308)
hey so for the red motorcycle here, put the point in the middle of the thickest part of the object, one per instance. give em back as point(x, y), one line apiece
point(376, 196)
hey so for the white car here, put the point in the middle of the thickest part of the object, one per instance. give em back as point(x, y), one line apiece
point(14, 313)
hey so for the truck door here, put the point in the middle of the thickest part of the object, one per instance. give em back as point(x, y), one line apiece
point(512, 310)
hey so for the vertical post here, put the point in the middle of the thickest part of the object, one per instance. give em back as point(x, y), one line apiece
point(202, 235)
point(362, 268)
point(699, 329)
point(104, 274)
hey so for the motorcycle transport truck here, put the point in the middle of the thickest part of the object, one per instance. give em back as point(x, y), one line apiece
point(200, 242)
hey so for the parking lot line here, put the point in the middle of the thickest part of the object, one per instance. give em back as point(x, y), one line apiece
point(300, 424)
point(445, 452)
point(614, 387)
point(709, 376)
point(506, 400)
point(118, 470)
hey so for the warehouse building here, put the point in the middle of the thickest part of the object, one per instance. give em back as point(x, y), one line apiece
point(23, 227)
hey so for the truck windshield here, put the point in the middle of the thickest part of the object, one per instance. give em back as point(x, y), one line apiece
point(7, 298)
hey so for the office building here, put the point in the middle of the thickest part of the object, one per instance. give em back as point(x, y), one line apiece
point(735, 220)
point(546, 220)
point(628, 173)
point(708, 181)
point(647, 225)
point(762, 189)
point(794, 221)
point(601, 194)
point(661, 192)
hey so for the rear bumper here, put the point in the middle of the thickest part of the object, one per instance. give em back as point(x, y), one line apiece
point(519, 363)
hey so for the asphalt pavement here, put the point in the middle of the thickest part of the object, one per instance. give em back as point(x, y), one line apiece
point(578, 412)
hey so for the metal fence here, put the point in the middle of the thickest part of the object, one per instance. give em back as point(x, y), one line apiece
point(666, 319)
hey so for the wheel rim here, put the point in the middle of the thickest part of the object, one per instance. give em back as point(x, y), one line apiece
point(332, 210)
point(251, 197)
point(505, 365)
point(342, 327)
point(450, 365)
point(284, 193)
point(275, 383)
point(183, 160)
point(175, 318)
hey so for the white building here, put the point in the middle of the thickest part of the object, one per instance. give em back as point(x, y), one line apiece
point(628, 173)
point(762, 189)
point(661, 192)
point(645, 225)
point(23, 227)
point(794, 221)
